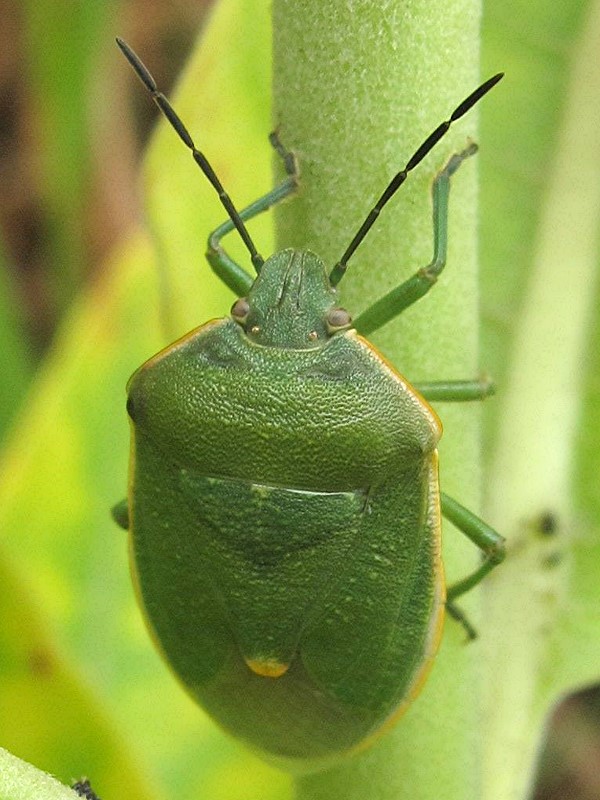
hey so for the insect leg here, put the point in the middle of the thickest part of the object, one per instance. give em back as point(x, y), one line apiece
point(456, 391)
point(395, 302)
point(459, 616)
point(487, 539)
point(120, 514)
point(232, 275)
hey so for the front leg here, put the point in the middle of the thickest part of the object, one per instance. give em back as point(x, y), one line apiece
point(232, 275)
point(395, 302)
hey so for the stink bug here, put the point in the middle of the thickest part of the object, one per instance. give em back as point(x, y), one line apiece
point(284, 507)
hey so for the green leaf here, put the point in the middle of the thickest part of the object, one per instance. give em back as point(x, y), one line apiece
point(47, 712)
point(61, 46)
point(15, 364)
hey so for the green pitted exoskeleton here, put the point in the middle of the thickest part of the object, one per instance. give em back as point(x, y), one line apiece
point(284, 506)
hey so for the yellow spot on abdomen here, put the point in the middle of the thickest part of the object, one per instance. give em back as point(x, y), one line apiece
point(267, 668)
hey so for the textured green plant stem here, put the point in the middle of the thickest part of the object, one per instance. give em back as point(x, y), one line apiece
point(357, 86)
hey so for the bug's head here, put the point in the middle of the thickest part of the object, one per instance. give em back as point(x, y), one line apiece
point(291, 303)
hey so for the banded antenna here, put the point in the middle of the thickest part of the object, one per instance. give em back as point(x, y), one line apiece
point(169, 112)
point(338, 272)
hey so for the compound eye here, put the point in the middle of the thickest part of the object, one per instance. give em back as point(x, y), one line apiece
point(240, 310)
point(338, 319)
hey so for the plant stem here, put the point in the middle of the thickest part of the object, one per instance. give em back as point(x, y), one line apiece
point(357, 86)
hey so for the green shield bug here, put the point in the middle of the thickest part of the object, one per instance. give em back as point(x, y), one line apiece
point(285, 532)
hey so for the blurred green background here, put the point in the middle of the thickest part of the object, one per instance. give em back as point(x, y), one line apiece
point(82, 303)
